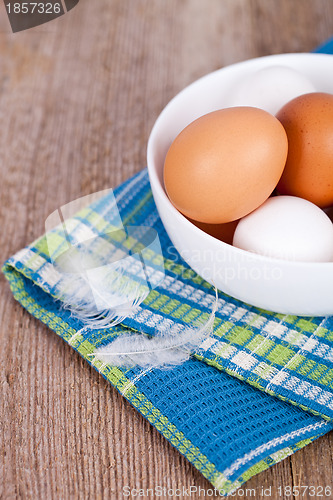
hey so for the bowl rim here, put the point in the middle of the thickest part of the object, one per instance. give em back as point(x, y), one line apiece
point(154, 179)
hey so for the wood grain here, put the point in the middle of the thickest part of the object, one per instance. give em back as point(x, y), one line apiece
point(78, 97)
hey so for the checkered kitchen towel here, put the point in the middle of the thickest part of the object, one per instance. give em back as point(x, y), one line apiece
point(209, 408)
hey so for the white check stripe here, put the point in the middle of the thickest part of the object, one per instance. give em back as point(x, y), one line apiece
point(279, 378)
point(272, 444)
point(308, 346)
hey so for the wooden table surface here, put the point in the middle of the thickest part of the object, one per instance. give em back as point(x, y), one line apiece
point(78, 98)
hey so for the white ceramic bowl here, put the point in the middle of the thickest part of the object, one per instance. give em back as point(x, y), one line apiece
point(282, 286)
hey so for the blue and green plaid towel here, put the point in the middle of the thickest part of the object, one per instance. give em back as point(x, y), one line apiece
point(209, 408)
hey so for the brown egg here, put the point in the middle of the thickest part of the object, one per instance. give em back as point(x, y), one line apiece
point(225, 164)
point(224, 232)
point(308, 121)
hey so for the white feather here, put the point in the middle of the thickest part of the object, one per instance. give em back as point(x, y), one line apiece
point(98, 291)
point(162, 350)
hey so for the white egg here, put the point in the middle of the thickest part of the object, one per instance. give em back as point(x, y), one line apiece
point(287, 227)
point(270, 88)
